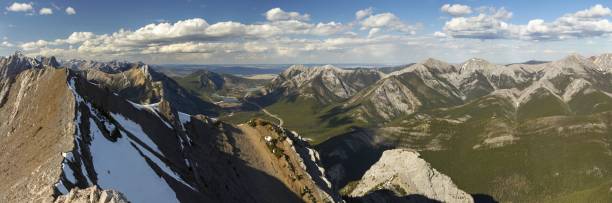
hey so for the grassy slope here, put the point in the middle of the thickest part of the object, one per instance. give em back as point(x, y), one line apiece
point(244, 116)
point(304, 115)
point(192, 83)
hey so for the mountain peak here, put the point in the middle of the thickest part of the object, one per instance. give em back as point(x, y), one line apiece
point(574, 57)
point(432, 61)
point(438, 65)
point(17, 63)
point(604, 61)
point(475, 64)
point(577, 62)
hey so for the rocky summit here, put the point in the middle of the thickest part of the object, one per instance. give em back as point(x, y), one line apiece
point(405, 174)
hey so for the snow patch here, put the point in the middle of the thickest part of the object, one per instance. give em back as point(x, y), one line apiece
point(136, 130)
point(153, 108)
point(120, 166)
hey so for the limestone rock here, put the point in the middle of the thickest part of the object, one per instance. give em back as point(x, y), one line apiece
point(405, 174)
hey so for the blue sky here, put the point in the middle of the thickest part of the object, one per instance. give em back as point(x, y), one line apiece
point(249, 31)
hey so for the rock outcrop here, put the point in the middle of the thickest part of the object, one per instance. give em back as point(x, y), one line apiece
point(405, 174)
point(36, 126)
point(92, 195)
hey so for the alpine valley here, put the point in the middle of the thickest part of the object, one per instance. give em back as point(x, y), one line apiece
point(89, 131)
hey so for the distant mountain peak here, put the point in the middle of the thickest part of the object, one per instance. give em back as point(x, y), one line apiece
point(604, 61)
point(475, 64)
point(432, 61)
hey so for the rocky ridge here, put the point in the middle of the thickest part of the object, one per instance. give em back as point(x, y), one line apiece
point(92, 195)
point(69, 132)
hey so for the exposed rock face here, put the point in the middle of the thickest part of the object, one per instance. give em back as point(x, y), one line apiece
point(92, 195)
point(36, 113)
point(404, 173)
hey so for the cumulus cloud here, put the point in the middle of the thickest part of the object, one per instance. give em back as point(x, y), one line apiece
point(70, 11)
point(491, 23)
point(596, 11)
point(277, 14)
point(360, 14)
point(456, 9)
point(284, 36)
point(193, 36)
point(20, 7)
point(45, 11)
point(386, 21)
point(482, 26)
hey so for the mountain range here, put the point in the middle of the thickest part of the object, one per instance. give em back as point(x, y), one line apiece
point(526, 131)
point(426, 132)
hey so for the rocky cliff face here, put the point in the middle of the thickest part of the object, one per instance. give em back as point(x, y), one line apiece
point(139, 83)
point(406, 175)
point(37, 112)
point(68, 132)
point(325, 84)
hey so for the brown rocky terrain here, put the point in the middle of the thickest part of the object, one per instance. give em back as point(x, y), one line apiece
point(37, 112)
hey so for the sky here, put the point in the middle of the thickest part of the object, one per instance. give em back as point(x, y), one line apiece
point(313, 31)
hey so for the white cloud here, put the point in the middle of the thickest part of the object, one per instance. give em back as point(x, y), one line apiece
point(19, 7)
point(45, 11)
point(386, 21)
point(360, 14)
point(372, 37)
point(482, 26)
point(491, 23)
point(277, 14)
point(456, 9)
point(596, 11)
point(329, 28)
point(440, 34)
point(70, 11)
point(373, 32)
point(187, 36)
point(6, 44)
point(78, 37)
